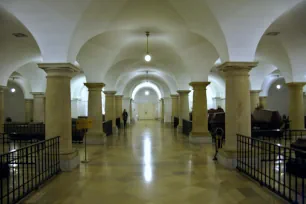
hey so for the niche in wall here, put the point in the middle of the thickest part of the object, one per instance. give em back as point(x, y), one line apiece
point(14, 103)
point(278, 99)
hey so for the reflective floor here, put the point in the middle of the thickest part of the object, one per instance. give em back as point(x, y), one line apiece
point(151, 164)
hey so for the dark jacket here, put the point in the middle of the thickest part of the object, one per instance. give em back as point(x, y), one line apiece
point(124, 115)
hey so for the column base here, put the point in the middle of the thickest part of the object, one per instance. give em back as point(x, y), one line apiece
point(168, 124)
point(227, 158)
point(179, 129)
point(115, 130)
point(94, 138)
point(200, 138)
point(69, 160)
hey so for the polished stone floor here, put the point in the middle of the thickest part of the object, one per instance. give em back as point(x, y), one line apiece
point(151, 164)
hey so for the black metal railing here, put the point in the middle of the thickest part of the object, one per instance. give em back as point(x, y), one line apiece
point(11, 142)
point(36, 131)
point(25, 169)
point(108, 127)
point(176, 121)
point(279, 136)
point(118, 123)
point(279, 168)
point(77, 135)
point(25, 131)
point(187, 127)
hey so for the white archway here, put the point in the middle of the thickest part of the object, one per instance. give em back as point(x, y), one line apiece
point(146, 85)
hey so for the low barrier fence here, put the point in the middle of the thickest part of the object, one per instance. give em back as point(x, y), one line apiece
point(187, 127)
point(108, 127)
point(25, 169)
point(279, 168)
point(176, 121)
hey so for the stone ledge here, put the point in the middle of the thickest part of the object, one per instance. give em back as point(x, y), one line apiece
point(69, 161)
point(200, 139)
point(227, 159)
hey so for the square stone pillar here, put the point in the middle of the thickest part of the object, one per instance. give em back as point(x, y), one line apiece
point(199, 133)
point(175, 102)
point(183, 107)
point(296, 105)
point(263, 103)
point(119, 110)
point(110, 108)
point(38, 107)
point(95, 135)
point(254, 97)
point(238, 108)
point(58, 110)
point(29, 110)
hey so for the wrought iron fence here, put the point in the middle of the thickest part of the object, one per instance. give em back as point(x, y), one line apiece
point(108, 127)
point(118, 123)
point(187, 127)
point(279, 168)
point(25, 169)
point(176, 121)
point(11, 142)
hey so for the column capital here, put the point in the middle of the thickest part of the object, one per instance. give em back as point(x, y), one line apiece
point(109, 93)
point(28, 100)
point(38, 94)
point(59, 69)
point(199, 84)
point(255, 91)
point(237, 68)
point(94, 85)
point(174, 96)
point(119, 96)
point(183, 92)
point(296, 84)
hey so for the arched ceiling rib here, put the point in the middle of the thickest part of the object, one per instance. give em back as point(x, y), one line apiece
point(15, 52)
point(246, 21)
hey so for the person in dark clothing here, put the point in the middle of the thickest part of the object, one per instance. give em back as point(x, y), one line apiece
point(124, 117)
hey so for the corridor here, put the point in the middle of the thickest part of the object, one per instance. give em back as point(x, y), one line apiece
point(150, 163)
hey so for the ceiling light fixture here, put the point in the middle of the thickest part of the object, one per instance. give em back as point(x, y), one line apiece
point(147, 93)
point(13, 90)
point(148, 56)
point(278, 86)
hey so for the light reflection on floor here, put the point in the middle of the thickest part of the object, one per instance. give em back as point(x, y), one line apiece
point(151, 164)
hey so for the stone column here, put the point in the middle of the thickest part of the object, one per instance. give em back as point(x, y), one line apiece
point(58, 110)
point(119, 110)
point(296, 105)
point(110, 108)
point(254, 97)
point(162, 110)
point(39, 106)
point(263, 102)
point(28, 110)
point(174, 99)
point(95, 135)
point(238, 108)
point(199, 132)
point(183, 107)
